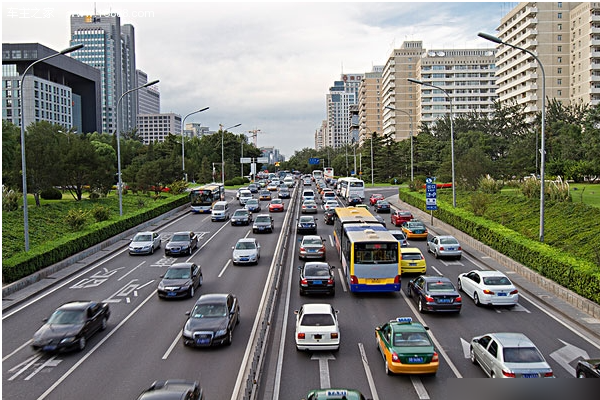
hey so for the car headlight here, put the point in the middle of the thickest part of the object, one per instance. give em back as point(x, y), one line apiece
point(161, 285)
point(187, 332)
point(68, 339)
point(221, 332)
point(185, 246)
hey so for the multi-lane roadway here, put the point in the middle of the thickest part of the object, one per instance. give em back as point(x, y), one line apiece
point(143, 340)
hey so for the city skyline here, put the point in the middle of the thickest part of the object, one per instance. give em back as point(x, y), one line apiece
point(272, 69)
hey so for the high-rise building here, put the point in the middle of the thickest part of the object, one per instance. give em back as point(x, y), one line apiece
point(370, 100)
point(320, 135)
point(110, 48)
point(148, 97)
point(156, 127)
point(341, 96)
point(60, 90)
point(585, 54)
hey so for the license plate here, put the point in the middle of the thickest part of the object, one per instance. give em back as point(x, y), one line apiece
point(412, 264)
point(318, 337)
point(317, 282)
point(312, 250)
point(202, 341)
point(501, 294)
point(450, 248)
point(49, 348)
point(444, 301)
point(261, 228)
point(244, 259)
point(171, 294)
point(530, 375)
point(415, 360)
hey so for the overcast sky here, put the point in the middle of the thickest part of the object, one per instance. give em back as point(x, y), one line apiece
point(265, 65)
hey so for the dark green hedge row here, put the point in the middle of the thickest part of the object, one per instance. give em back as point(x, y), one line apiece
point(580, 276)
point(27, 263)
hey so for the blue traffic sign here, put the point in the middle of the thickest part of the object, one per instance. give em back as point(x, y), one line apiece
point(314, 161)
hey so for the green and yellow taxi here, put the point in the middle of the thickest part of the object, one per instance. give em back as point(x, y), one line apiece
point(335, 394)
point(406, 347)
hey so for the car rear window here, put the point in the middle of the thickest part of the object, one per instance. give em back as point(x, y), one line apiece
point(411, 256)
point(522, 355)
point(411, 339)
point(496, 281)
point(317, 320)
point(313, 270)
point(440, 287)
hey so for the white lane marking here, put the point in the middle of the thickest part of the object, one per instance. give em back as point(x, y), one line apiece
point(93, 350)
point(6, 357)
point(566, 354)
point(172, 346)
point(342, 280)
point(132, 269)
point(419, 387)
point(324, 377)
point(436, 270)
point(48, 363)
point(363, 357)
point(25, 365)
point(224, 268)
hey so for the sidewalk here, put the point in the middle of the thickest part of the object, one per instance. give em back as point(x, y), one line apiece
point(570, 305)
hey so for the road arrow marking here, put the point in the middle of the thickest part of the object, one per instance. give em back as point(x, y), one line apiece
point(566, 354)
point(323, 368)
point(466, 346)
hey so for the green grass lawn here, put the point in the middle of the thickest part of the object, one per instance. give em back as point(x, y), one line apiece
point(587, 193)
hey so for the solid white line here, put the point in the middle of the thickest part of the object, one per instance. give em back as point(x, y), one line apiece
point(419, 387)
point(172, 346)
point(342, 280)
point(224, 268)
point(365, 362)
point(96, 347)
point(6, 357)
point(132, 269)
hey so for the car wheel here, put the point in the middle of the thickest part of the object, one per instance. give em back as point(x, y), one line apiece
point(191, 291)
point(229, 337)
point(436, 254)
point(421, 309)
point(81, 343)
point(387, 369)
point(408, 292)
point(459, 257)
point(200, 280)
point(237, 320)
point(460, 289)
point(472, 356)
point(581, 374)
point(104, 323)
point(476, 299)
point(152, 249)
point(302, 292)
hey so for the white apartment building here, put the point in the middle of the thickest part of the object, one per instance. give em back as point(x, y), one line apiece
point(341, 96)
point(369, 101)
point(585, 54)
point(156, 127)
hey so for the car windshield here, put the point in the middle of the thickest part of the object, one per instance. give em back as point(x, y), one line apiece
point(496, 281)
point(180, 238)
point(411, 339)
point(309, 241)
point(316, 270)
point(142, 238)
point(399, 236)
point(317, 320)
point(218, 207)
point(448, 241)
point(276, 201)
point(415, 225)
point(209, 311)
point(522, 355)
point(252, 202)
point(440, 287)
point(178, 273)
point(67, 317)
point(245, 245)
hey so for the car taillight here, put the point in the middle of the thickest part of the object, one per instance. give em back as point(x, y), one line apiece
point(460, 248)
point(458, 299)
point(435, 357)
point(514, 291)
point(334, 335)
point(301, 335)
point(442, 248)
point(322, 249)
point(397, 279)
point(422, 257)
point(487, 291)
point(548, 374)
point(395, 357)
point(302, 248)
point(429, 299)
point(304, 281)
point(508, 374)
point(330, 281)
point(353, 280)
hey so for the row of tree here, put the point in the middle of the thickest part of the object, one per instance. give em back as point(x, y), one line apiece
point(503, 145)
point(88, 162)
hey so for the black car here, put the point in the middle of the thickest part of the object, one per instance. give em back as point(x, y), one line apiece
point(307, 225)
point(317, 277)
point(211, 321)
point(284, 193)
point(434, 293)
point(180, 280)
point(181, 243)
point(354, 199)
point(173, 389)
point(241, 216)
point(382, 206)
point(263, 223)
point(329, 216)
point(71, 325)
point(588, 368)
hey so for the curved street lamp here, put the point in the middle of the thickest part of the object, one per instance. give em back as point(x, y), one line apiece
point(23, 164)
point(542, 140)
point(223, 152)
point(183, 140)
point(451, 132)
point(120, 184)
point(411, 139)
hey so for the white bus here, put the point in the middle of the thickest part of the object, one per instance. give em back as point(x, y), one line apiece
point(328, 173)
point(351, 185)
point(317, 174)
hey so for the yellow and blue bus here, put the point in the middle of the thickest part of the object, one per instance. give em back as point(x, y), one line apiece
point(202, 198)
point(369, 253)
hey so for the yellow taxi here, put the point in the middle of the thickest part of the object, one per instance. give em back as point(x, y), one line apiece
point(414, 230)
point(412, 260)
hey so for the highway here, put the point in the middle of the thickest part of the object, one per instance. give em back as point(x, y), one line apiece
point(143, 340)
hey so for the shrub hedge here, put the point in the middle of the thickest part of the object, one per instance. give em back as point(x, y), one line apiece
point(580, 276)
point(27, 263)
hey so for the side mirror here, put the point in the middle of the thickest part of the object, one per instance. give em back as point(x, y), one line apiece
point(188, 313)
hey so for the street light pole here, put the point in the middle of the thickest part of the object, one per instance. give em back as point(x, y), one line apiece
point(451, 132)
point(183, 140)
point(120, 182)
point(542, 140)
point(412, 177)
point(223, 151)
point(372, 181)
point(23, 163)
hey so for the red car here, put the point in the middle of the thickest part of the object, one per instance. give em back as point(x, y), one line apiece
point(400, 216)
point(375, 197)
point(276, 205)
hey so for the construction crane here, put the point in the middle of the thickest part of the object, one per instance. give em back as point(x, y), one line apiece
point(254, 135)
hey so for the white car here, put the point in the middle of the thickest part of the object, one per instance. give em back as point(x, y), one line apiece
point(144, 243)
point(237, 195)
point(317, 328)
point(245, 195)
point(488, 287)
point(330, 204)
point(444, 246)
point(246, 251)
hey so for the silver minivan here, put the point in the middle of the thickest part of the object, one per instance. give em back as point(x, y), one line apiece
point(220, 211)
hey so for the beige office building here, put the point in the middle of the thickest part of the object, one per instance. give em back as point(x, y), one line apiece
point(585, 54)
point(369, 102)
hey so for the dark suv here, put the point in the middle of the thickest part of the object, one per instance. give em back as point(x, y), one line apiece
point(241, 217)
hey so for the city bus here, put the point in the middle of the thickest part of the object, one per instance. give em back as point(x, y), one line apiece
point(317, 174)
point(202, 198)
point(370, 257)
point(351, 185)
point(328, 173)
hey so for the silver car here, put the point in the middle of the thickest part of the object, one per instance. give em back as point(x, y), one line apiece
point(144, 243)
point(444, 246)
point(509, 355)
point(246, 251)
point(488, 287)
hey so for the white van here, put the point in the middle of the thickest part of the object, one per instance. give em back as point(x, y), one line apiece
point(220, 211)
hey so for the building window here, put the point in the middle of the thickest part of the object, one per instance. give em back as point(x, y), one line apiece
point(559, 16)
point(559, 92)
point(559, 81)
point(559, 5)
point(559, 38)
point(559, 27)
point(559, 71)
point(559, 49)
point(559, 60)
